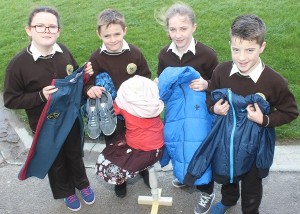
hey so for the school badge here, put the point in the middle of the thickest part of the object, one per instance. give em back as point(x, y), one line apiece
point(131, 68)
point(69, 69)
point(262, 95)
point(53, 116)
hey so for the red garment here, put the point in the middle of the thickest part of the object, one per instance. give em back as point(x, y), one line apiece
point(144, 134)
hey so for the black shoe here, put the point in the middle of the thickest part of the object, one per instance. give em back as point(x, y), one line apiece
point(120, 190)
point(145, 175)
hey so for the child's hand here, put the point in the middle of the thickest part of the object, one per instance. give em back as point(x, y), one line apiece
point(199, 84)
point(221, 107)
point(121, 143)
point(95, 91)
point(88, 69)
point(255, 114)
point(49, 90)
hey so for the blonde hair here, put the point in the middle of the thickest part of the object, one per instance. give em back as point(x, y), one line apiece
point(108, 17)
point(165, 14)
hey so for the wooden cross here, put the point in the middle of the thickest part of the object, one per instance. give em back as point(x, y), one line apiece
point(155, 200)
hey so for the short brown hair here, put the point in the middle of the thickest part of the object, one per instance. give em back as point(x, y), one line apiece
point(108, 17)
point(248, 27)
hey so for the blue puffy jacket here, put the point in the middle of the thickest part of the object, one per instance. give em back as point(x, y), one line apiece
point(186, 121)
point(235, 143)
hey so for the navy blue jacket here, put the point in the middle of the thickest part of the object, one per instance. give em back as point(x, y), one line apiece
point(235, 143)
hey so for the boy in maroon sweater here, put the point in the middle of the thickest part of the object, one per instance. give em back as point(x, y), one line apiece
point(247, 74)
point(120, 61)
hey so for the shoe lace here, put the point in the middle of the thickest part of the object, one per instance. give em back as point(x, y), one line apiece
point(93, 118)
point(93, 121)
point(103, 111)
point(86, 191)
point(106, 114)
point(203, 200)
point(72, 198)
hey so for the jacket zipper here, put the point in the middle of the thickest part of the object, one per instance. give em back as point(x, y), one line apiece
point(231, 149)
point(180, 86)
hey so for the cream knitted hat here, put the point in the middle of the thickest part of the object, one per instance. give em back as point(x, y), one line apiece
point(139, 96)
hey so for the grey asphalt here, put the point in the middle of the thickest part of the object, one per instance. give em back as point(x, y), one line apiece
point(281, 187)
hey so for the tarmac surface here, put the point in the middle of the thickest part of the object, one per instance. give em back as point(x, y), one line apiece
point(281, 187)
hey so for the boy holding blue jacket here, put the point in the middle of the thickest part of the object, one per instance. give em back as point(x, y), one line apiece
point(246, 74)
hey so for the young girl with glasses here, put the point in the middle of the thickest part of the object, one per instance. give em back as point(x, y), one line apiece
point(28, 86)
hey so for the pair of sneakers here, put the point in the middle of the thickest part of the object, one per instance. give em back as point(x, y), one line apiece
point(205, 200)
point(100, 116)
point(73, 203)
point(204, 203)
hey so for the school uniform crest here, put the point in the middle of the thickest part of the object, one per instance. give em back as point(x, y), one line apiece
point(131, 68)
point(53, 116)
point(69, 69)
point(262, 95)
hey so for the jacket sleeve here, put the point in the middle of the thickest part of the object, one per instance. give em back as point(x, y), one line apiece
point(203, 156)
point(265, 152)
point(165, 159)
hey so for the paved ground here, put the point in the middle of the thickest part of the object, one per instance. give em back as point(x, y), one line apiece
point(281, 188)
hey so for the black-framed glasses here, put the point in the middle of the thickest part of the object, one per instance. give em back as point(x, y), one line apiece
point(42, 28)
